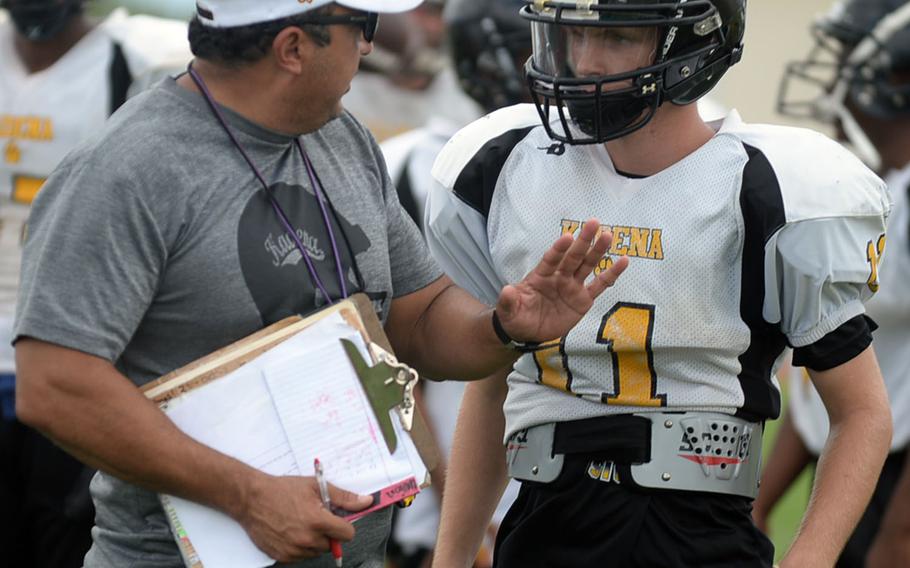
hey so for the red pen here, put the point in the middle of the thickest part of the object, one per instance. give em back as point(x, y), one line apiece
point(334, 545)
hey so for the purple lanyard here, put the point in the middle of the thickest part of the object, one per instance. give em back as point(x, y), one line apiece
point(317, 189)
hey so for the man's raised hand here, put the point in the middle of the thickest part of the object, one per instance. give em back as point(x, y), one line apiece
point(554, 297)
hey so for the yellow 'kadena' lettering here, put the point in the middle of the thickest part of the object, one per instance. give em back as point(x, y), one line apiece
point(26, 127)
point(656, 250)
point(635, 242)
point(626, 330)
point(638, 242)
point(874, 252)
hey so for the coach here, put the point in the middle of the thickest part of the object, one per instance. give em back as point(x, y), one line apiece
point(213, 205)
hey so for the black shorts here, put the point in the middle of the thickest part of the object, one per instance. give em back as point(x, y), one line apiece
point(578, 521)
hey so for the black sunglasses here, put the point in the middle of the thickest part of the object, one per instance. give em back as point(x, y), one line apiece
point(368, 22)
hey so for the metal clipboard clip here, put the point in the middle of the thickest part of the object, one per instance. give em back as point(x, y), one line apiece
point(388, 385)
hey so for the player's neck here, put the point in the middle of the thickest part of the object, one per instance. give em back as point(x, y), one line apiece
point(39, 55)
point(673, 134)
point(254, 93)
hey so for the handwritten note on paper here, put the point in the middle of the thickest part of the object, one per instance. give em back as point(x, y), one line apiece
point(326, 414)
point(299, 400)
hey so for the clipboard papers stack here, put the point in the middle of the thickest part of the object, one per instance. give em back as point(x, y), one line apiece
point(326, 386)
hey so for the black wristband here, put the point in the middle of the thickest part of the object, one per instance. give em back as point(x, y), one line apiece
point(501, 333)
point(520, 346)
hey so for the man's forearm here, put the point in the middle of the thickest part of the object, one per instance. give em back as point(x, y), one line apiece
point(846, 476)
point(107, 423)
point(444, 332)
point(787, 460)
point(477, 474)
point(849, 466)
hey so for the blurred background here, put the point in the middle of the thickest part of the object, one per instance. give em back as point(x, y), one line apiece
point(776, 33)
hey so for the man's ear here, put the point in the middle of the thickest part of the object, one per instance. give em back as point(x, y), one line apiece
point(293, 48)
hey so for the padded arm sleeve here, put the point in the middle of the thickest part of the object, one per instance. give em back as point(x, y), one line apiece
point(457, 237)
point(819, 272)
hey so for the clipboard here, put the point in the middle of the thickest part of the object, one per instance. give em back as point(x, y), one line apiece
point(387, 385)
point(358, 312)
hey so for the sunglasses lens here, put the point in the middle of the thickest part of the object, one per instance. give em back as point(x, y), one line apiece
point(370, 25)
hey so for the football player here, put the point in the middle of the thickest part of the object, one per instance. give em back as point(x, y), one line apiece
point(637, 435)
point(859, 74)
point(62, 76)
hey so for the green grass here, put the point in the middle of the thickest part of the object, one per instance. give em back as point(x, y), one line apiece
point(786, 516)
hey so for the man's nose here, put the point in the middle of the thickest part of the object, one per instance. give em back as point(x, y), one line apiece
point(366, 47)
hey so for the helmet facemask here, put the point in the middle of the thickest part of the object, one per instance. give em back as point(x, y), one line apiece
point(604, 71)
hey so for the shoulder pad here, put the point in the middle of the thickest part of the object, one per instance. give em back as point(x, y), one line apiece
point(469, 141)
point(149, 44)
point(818, 177)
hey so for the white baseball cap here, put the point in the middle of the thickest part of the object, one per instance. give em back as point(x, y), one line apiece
point(232, 13)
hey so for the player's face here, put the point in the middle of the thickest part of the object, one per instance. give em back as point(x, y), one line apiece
point(599, 51)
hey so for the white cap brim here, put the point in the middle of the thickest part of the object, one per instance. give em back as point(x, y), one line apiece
point(234, 13)
point(381, 6)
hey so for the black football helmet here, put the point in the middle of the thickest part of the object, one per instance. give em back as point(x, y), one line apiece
point(41, 20)
point(860, 46)
point(489, 42)
point(696, 41)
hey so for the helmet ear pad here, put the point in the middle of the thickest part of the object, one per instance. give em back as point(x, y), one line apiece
point(688, 79)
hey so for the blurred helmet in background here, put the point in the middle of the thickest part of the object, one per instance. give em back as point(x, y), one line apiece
point(41, 20)
point(489, 43)
point(861, 53)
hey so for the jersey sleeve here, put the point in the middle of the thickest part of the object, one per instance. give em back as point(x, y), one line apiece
point(457, 237)
point(821, 264)
point(465, 176)
point(92, 259)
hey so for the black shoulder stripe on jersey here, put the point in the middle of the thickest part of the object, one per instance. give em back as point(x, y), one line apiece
point(477, 181)
point(120, 78)
point(762, 208)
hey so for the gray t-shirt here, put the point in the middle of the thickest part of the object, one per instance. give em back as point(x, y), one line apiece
point(154, 244)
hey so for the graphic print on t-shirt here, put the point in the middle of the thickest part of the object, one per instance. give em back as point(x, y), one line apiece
point(274, 268)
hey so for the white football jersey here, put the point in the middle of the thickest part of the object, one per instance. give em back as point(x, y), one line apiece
point(890, 308)
point(755, 241)
point(44, 115)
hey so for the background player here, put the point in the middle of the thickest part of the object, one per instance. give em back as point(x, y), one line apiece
point(62, 75)
point(860, 70)
point(732, 230)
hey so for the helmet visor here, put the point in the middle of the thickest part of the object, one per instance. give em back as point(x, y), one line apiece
point(579, 51)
